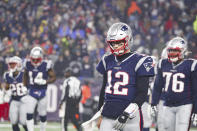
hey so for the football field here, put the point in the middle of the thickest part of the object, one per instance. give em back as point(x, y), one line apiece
point(52, 126)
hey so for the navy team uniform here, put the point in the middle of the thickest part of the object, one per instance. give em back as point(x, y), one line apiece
point(17, 111)
point(121, 86)
point(37, 93)
point(35, 90)
point(179, 86)
point(16, 85)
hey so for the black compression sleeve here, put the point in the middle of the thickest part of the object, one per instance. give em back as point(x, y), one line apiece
point(102, 92)
point(142, 90)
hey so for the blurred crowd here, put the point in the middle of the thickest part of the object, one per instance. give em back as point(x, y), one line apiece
point(72, 32)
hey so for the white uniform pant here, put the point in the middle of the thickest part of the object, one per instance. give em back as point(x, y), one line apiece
point(42, 105)
point(146, 115)
point(161, 116)
point(177, 118)
point(17, 112)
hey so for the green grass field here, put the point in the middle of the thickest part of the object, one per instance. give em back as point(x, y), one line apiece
point(52, 126)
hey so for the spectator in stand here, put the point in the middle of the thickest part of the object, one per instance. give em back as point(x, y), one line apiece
point(87, 67)
point(60, 65)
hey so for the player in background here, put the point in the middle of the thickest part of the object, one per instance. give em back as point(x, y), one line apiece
point(38, 74)
point(177, 76)
point(160, 107)
point(14, 81)
point(71, 95)
point(157, 114)
point(125, 82)
point(147, 120)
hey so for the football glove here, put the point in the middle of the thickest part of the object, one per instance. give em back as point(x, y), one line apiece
point(194, 119)
point(129, 112)
point(40, 81)
point(153, 112)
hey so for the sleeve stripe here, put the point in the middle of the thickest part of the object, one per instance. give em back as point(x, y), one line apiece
point(103, 60)
point(193, 65)
point(159, 64)
point(49, 64)
point(140, 63)
point(155, 69)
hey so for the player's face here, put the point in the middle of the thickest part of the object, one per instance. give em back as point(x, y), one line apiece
point(174, 54)
point(36, 60)
point(12, 65)
point(118, 46)
point(67, 74)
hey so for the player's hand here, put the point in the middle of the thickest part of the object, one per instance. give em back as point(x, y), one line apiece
point(129, 113)
point(40, 81)
point(99, 122)
point(194, 119)
point(153, 112)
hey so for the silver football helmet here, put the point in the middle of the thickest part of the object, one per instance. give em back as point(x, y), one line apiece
point(14, 64)
point(176, 49)
point(119, 32)
point(164, 54)
point(36, 56)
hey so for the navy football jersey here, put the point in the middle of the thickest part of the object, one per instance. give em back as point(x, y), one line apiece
point(35, 90)
point(176, 81)
point(16, 85)
point(120, 89)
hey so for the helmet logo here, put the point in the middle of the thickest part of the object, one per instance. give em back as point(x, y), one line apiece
point(124, 28)
point(182, 42)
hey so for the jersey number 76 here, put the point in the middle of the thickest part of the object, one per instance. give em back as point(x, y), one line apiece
point(177, 85)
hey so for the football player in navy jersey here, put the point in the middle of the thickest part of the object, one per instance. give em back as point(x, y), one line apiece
point(38, 73)
point(125, 82)
point(157, 112)
point(14, 81)
point(177, 76)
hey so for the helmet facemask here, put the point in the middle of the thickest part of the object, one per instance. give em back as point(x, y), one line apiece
point(119, 47)
point(174, 54)
point(14, 64)
point(36, 56)
point(176, 49)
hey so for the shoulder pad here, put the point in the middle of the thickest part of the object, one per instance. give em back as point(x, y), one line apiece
point(103, 59)
point(142, 60)
point(194, 67)
point(5, 75)
point(49, 64)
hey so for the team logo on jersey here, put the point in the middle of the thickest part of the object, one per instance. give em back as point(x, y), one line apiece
point(37, 93)
point(148, 66)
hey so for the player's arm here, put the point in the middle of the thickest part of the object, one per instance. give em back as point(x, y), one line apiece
point(142, 90)
point(157, 88)
point(52, 76)
point(102, 92)
point(25, 78)
point(7, 86)
point(194, 90)
point(64, 92)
